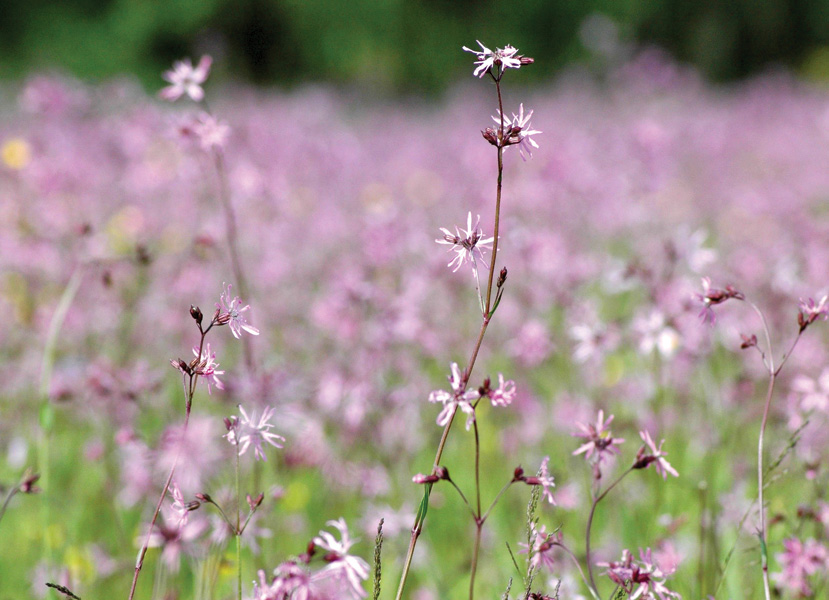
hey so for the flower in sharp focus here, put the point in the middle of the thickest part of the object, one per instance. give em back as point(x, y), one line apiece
point(341, 564)
point(205, 365)
point(186, 79)
point(522, 130)
point(468, 244)
point(600, 441)
point(248, 431)
point(503, 57)
point(459, 397)
point(656, 455)
point(232, 314)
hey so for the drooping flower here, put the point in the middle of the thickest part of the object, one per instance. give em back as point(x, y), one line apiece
point(712, 296)
point(459, 397)
point(232, 314)
point(503, 57)
point(206, 367)
point(544, 479)
point(656, 455)
point(342, 565)
point(468, 244)
point(185, 79)
point(248, 431)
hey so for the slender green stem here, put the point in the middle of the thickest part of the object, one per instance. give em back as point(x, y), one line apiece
point(760, 447)
point(238, 531)
point(478, 528)
point(9, 497)
point(578, 566)
point(596, 500)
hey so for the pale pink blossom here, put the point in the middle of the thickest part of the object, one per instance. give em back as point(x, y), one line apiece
point(503, 57)
point(252, 432)
point(643, 460)
point(342, 565)
point(504, 394)
point(600, 441)
point(185, 79)
point(232, 314)
point(459, 397)
point(207, 368)
point(467, 244)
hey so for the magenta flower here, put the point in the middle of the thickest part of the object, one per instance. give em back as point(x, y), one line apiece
point(663, 467)
point(468, 244)
point(599, 442)
point(185, 79)
point(503, 57)
point(232, 314)
point(639, 579)
point(342, 565)
point(249, 432)
point(810, 311)
point(712, 296)
point(504, 394)
point(541, 552)
point(206, 367)
point(544, 479)
point(800, 561)
point(459, 397)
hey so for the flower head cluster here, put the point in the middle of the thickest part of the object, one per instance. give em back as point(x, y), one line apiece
point(468, 244)
point(517, 130)
point(711, 297)
point(204, 365)
point(342, 566)
point(649, 453)
point(640, 579)
point(811, 311)
point(248, 431)
point(459, 397)
point(186, 79)
point(503, 58)
point(600, 443)
point(231, 310)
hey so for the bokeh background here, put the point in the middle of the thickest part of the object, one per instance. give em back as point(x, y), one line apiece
point(680, 140)
point(400, 45)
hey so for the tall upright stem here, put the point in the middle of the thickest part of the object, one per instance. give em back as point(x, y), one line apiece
point(417, 528)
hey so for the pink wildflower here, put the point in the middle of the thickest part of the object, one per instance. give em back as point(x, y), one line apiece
point(663, 467)
point(800, 561)
point(504, 394)
point(710, 297)
point(232, 314)
point(502, 57)
point(249, 432)
point(211, 132)
point(810, 312)
point(541, 552)
point(468, 244)
point(341, 564)
point(544, 479)
point(459, 397)
point(599, 439)
point(185, 79)
point(206, 367)
point(639, 579)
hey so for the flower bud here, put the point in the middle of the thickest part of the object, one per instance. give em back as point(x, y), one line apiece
point(197, 315)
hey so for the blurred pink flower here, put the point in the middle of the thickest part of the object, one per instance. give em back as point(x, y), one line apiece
point(211, 132)
point(640, 579)
point(504, 394)
point(185, 79)
point(799, 561)
point(249, 432)
point(541, 552)
point(544, 479)
point(341, 564)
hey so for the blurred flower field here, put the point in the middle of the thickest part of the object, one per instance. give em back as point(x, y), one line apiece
point(645, 181)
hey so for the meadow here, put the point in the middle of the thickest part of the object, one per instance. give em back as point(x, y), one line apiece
point(666, 245)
